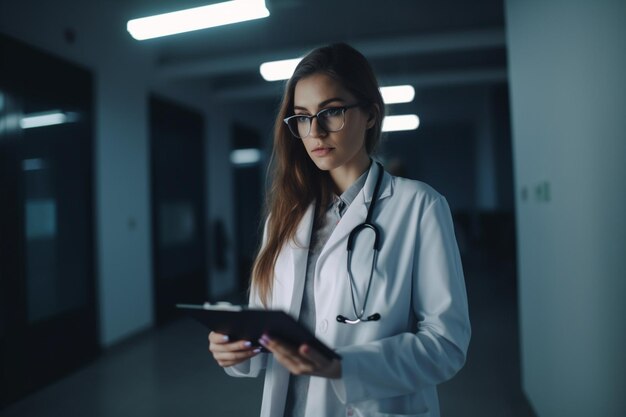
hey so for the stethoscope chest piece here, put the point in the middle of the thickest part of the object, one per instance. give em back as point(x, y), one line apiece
point(343, 319)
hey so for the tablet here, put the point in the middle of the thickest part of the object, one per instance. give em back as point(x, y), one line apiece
point(243, 323)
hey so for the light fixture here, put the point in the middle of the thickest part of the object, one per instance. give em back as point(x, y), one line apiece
point(283, 70)
point(196, 18)
point(279, 70)
point(400, 122)
point(398, 94)
point(245, 156)
point(48, 118)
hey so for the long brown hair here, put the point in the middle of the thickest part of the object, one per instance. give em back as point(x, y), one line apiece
point(296, 181)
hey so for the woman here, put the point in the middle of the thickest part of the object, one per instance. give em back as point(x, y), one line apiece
point(412, 328)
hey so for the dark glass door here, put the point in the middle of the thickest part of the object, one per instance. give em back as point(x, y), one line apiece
point(248, 202)
point(178, 219)
point(48, 320)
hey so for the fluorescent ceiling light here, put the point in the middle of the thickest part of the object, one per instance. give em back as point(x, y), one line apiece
point(283, 70)
point(398, 94)
point(245, 156)
point(48, 118)
point(402, 122)
point(196, 18)
point(279, 70)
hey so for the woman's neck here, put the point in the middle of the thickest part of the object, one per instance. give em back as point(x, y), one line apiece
point(344, 176)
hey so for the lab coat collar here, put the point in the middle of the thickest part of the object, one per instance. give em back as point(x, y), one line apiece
point(386, 188)
point(358, 207)
point(357, 211)
point(354, 215)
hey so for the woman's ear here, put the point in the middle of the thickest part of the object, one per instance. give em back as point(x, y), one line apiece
point(374, 113)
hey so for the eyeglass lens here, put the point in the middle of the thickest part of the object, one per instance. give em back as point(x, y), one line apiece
point(329, 120)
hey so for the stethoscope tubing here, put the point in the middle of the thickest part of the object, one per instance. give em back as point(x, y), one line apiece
point(350, 246)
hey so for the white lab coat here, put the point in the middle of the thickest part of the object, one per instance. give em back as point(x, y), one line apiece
point(390, 367)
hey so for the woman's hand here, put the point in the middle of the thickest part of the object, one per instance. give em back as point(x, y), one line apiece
point(228, 353)
point(302, 361)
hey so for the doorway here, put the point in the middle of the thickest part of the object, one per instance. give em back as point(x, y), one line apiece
point(178, 207)
point(48, 308)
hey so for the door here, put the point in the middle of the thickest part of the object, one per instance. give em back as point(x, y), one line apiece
point(178, 201)
point(48, 309)
point(248, 196)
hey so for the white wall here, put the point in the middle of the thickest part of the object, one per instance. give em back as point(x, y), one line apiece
point(123, 206)
point(567, 61)
point(486, 176)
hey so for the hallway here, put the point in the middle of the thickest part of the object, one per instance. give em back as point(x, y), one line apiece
point(168, 372)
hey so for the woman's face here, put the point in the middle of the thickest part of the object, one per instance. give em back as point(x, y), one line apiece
point(329, 151)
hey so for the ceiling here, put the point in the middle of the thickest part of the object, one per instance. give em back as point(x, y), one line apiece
point(424, 43)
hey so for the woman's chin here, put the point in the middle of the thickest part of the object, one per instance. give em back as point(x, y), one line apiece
point(324, 165)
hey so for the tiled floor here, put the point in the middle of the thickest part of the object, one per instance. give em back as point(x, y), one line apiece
point(168, 371)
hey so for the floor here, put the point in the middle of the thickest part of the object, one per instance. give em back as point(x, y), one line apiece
point(168, 371)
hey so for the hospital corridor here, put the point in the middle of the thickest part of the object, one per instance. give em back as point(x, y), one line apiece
point(401, 208)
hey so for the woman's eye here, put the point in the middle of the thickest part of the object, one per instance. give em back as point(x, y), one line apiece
point(302, 119)
point(332, 112)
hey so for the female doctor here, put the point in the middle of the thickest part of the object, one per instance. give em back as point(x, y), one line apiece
point(394, 307)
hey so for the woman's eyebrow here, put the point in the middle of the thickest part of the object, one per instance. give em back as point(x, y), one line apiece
point(322, 104)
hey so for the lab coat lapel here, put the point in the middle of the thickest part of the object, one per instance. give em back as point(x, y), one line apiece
point(357, 211)
point(299, 254)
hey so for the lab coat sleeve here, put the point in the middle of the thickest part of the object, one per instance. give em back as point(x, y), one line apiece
point(253, 366)
point(403, 363)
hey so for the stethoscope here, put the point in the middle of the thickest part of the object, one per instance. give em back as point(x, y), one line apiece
point(351, 239)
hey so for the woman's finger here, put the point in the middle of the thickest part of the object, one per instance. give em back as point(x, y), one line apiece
point(328, 368)
point(228, 362)
point(314, 356)
point(229, 354)
point(220, 344)
point(295, 364)
point(304, 360)
point(288, 356)
point(277, 347)
point(240, 345)
point(235, 356)
point(218, 338)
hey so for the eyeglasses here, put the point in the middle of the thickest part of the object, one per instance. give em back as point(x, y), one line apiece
point(331, 119)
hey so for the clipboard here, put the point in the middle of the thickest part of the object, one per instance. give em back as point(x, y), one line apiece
point(243, 323)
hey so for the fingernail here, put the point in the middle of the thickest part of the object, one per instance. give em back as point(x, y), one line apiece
point(247, 344)
point(257, 350)
point(226, 338)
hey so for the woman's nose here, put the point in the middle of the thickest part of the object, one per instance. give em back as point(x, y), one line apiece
point(317, 130)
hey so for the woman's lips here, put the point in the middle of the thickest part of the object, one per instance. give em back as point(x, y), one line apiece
point(321, 151)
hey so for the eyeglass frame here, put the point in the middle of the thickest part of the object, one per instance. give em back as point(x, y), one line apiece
point(342, 108)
